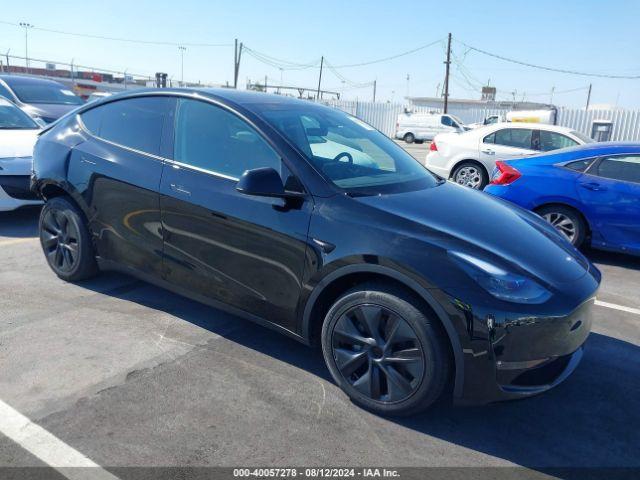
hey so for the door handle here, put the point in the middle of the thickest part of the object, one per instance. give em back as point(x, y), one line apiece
point(489, 151)
point(180, 189)
point(596, 187)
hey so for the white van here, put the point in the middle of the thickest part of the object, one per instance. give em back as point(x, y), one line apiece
point(424, 126)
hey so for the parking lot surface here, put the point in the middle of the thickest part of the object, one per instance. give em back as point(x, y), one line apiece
point(127, 374)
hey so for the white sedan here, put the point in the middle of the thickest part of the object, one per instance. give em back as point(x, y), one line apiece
point(469, 158)
point(18, 135)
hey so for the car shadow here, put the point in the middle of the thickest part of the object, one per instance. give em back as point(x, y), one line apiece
point(20, 223)
point(613, 259)
point(591, 420)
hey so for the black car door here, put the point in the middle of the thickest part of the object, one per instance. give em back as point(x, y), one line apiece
point(117, 169)
point(244, 251)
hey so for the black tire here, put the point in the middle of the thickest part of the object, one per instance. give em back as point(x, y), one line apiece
point(66, 241)
point(470, 174)
point(567, 221)
point(347, 343)
point(409, 138)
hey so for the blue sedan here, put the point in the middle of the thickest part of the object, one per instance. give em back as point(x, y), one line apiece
point(590, 192)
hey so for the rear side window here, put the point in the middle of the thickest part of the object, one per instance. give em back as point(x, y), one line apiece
point(579, 165)
point(216, 140)
point(134, 123)
point(625, 168)
point(554, 141)
point(511, 137)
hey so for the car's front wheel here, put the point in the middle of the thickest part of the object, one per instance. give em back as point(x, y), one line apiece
point(409, 138)
point(65, 240)
point(384, 352)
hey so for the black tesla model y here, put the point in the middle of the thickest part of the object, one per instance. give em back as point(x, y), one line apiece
point(311, 222)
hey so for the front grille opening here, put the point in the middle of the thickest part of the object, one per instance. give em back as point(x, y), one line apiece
point(544, 374)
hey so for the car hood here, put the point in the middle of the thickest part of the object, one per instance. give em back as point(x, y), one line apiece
point(17, 143)
point(49, 110)
point(459, 218)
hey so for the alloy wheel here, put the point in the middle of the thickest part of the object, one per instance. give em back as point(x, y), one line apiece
point(469, 176)
point(563, 224)
point(59, 237)
point(378, 353)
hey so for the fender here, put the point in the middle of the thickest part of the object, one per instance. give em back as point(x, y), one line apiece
point(410, 283)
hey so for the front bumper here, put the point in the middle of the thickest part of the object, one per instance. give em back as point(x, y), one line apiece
point(15, 180)
point(510, 355)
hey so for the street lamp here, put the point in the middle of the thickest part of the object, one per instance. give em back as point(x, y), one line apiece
point(26, 27)
point(182, 50)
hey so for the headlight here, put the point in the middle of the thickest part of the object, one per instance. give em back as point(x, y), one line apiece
point(504, 285)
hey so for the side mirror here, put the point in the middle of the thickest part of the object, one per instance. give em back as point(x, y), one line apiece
point(263, 182)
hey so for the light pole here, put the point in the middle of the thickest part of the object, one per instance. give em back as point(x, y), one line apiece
point(26, 27)
point(182, 50)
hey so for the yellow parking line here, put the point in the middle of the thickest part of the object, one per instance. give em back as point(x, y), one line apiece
point(14, 241)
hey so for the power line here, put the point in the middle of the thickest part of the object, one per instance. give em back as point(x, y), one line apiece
point(392, 57)
point(120, 39)
point(550, 69)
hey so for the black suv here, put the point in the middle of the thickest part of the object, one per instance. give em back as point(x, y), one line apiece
point(309, 221)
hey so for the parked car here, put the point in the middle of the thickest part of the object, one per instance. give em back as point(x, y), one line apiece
point(218, 195)
point(589, 193)
point(468, 158)
point(40, 98)
point(489, 120)
point(18, 135)
point(424, 126)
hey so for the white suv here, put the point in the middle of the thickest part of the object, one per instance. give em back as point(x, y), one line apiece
point(469, 158)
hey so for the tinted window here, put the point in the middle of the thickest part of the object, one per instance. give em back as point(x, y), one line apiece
point(45, 93)
point(92, 120)
point(214, 139)
point(134, 123)
point(5, 93)
point(553, 141)
point(511, 137)
point(12, 118)
point(620, 168)
point(347, 151)
point(579, 165)
point(446, 121)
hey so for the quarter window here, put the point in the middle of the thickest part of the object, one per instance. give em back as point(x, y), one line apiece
point(554, 141)
point(511, 137)
point(135, 123)
point(579, 165)
point(216, 140)
point(625, 168)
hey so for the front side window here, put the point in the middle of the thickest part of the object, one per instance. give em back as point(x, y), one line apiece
point(554, 141)
point(346, 151)
point(625, 168)
point(134, 123)
point(446, 121)
point(216, 140)
point(45, 93)
point(511, 137)
point(12, 118)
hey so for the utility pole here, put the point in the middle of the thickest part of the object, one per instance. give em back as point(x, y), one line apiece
point(553, 89)
point(374, 90)
point(320, 78)
point(182, 50)
point(588, 98)
point(265, 84)
point(236, 63)
point(26, 27)
point(446, 75)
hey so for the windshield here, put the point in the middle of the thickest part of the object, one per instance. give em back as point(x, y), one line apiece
point(45, 93)
point(348, 152)
point(582, 137)
point(12, 118)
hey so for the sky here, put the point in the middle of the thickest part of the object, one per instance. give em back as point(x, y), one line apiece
point(588, 35)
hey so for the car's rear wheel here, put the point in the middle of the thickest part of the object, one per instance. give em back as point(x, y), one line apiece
point(566, 221)
point(409, 138)
point(471, 175)
point(385, 353)
point(65, 240)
